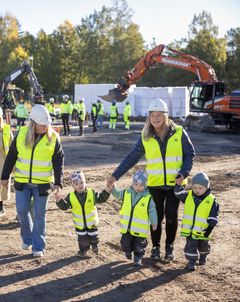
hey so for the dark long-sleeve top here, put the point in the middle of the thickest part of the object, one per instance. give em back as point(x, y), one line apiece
point(212, 219)
point(65, 203)
point(57, 161)
point(138, 151)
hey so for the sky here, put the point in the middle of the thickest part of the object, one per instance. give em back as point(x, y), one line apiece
point(165, 21)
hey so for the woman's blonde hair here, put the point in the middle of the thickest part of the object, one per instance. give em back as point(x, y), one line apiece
point(30, 137)
point(1, 122)
point(148, 130)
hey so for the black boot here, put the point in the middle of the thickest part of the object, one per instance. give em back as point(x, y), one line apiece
point(2, 211)
point(169, 255)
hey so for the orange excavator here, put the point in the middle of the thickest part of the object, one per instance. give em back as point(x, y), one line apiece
point(206, 94)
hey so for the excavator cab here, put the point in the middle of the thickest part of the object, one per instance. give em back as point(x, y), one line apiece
point(203, 95)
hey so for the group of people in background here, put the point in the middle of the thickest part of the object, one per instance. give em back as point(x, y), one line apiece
point(37, 154)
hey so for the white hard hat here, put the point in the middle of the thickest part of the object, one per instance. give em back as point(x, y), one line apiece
point(40, 115)
point(1, 112)
point(158, 105)
point(65, 96)
point(51, 100)
point(81, 99)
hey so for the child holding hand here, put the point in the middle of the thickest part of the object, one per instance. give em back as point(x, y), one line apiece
point(137, 213)
point(82, 202)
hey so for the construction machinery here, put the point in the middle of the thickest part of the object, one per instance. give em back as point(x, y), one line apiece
point(206, 94)
point(10, 94)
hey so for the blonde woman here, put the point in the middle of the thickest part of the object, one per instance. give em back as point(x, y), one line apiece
point(169, 154)
point(38, 157)
point(5, 141)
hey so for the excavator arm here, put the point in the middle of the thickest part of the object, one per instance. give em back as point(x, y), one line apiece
point(25, 68)
point(161, 54)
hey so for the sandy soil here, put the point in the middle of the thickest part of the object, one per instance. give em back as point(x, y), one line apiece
point(61, 276)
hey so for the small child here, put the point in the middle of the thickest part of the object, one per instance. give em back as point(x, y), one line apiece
point(200, 217)
point(137, 209)
point(84, 212)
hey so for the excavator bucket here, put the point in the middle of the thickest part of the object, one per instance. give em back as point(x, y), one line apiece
point(114, 95)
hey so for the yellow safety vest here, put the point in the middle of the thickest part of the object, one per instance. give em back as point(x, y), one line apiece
point(34, 165)
point(101, 109)
point(86, 216)
point(66, 107)
point(163, 171)
point(113, 111)
point(6, 136)
point(127, 110)
point(135, 219)
point(195, 220)
point(49, 107)
point(82, 110)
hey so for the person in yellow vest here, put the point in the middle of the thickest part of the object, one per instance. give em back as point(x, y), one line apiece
point(6, 138)
point(81, 116)
point(50, 107)
point(21, 114)
point(113, 115)
point(126, 115)
point(37, 155)
point(82, 202)
point(169, 154)
point(200, 217)
point(94, 115)
point(100, 109)
point(66, 111)
point(137, 215)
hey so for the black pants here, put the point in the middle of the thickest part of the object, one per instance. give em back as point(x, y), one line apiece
point(195, 247)
point(87, 238)
point(80, 123)
point(166, 205)
point(130, 243)
point(21, 121)
point(94, 121)
point(65, 121)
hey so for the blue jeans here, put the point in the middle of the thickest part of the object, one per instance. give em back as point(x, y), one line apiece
point(33, 232)
point(100, 121)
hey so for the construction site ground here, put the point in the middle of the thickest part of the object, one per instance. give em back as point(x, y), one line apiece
point(61, 276)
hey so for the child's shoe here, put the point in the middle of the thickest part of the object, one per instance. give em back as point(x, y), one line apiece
point(82, 254)
point(191, 266)
point(95, 249)
point(137, 262)
point(2, 210)
point(128, 255)
point(202, 260)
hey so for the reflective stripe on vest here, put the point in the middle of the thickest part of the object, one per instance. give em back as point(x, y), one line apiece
point(34, 165)
point(163, 171)
point(6, 137)
point(195, 224)
point(87, 216)
point(135, 220)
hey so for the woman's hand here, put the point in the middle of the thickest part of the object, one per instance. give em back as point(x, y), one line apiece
point(56, 191)
point(110, 181)
point(4, 183)
point(179, 179)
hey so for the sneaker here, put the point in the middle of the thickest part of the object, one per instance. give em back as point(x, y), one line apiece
point(155, 253)
point(82, 254)
point(202, 260)
point(191, 266)
point(95, 249)
point(169, 255)
point(26, 246)
point(2, 211)
point(128, 255)
point(38, 254)
point(137, 262)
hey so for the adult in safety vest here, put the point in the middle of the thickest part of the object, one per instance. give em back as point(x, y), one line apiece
point(37, 155)
point(21, 114)
point(113, 116)
point(81, 116)
point(66, 111)
point(126, 115)
point(94, 115)
point(6, 137)
point(100, 109)
point(169, 155)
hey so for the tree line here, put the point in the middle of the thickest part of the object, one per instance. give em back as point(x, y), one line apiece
point(105, 45)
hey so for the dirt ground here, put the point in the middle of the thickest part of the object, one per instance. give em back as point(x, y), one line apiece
point(61, 276)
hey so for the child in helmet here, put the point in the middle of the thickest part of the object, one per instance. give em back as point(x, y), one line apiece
point(200, 217)
point(82, 202)
point(137, 212)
